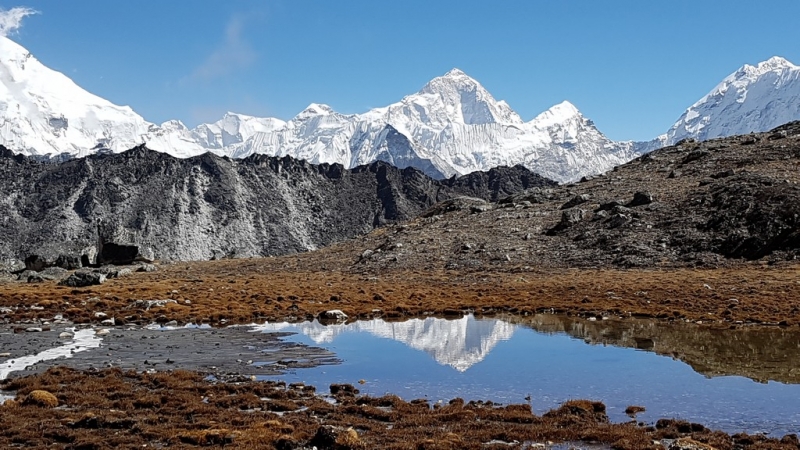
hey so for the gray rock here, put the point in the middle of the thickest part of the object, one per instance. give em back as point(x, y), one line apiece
point(601, 215)
point(68, 262)
point(332, 316)
point(36, 278)
point(83, 279)
point(113, 271)
point(146, 268)
point(147, 304)
point(641, 198)
point(36, 263)
point(618, 220)
point(575, 201)
point(608, 206)
point(569, 218)
point(54, 273)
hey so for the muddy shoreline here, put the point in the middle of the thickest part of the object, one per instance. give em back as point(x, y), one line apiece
point(223, 353)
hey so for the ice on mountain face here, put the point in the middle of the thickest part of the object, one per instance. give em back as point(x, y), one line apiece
point(752, 99)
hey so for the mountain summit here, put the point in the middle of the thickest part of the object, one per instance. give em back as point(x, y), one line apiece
point(752, 99)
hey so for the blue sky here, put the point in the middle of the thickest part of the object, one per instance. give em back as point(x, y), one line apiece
point(631, 66)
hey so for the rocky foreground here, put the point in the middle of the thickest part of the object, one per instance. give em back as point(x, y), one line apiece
point(701, 232)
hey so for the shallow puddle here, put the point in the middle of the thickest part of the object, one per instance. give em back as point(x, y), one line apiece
point(549, 359)
point(82, 340)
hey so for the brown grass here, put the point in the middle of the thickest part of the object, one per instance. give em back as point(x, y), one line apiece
point(185, 411)
point(219, 292)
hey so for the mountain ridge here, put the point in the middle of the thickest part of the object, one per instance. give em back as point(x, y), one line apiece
point(451, 126)
point(211, 207)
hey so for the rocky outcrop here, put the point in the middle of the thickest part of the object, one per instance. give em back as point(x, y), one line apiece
point(145, 205)
point(733, 200)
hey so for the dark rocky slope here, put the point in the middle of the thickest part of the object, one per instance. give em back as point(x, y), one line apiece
point(206, 207)
point(692, 204)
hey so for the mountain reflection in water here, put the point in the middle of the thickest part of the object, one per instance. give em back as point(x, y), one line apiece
point(548, 359)
point(759, 353)
point(459, 343)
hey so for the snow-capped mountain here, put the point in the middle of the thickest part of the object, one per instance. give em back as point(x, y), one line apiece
point(44, 112)
point(452, 126)
point(459, 343)
point(752, 99)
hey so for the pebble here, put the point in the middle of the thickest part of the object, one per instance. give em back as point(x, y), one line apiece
point(66, 335)
point(33, 330)
point(102, 332)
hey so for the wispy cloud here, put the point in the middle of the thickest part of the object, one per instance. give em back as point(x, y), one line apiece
point(11, 19)
point(233, 54)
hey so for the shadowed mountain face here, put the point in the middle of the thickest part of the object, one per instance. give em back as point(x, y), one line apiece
point(208, 206)
point(761, 354)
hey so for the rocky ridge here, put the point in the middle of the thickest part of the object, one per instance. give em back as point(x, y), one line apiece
point(209, 207)
point(692, 204)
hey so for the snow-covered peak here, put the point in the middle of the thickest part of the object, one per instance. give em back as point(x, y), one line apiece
point(316, 109)
point(464, 100)
point(455, 73)
point(557, 114)
point(42, 111)
point(774, 63)
point(753, 98)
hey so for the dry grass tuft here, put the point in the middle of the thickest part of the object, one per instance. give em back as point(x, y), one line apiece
point(40, 398)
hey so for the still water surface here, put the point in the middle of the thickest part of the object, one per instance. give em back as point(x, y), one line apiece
point(567, 358)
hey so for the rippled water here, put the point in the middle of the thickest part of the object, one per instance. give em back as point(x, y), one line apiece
point(617, 362)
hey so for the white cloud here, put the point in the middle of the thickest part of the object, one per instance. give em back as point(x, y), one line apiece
point(235, 53)
point(11, 19)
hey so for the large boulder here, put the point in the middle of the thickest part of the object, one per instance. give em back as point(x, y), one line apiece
point(37, 263)
point(84, 279)
point(69, 262)
point(569, 218)
point(118, 246)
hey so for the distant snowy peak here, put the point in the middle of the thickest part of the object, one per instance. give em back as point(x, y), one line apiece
point(752, 99)
point(465, 101)
point(452, 126)
point(556, 115)
point(233, 129)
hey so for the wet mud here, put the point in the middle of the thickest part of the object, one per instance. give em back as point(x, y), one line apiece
point(221, 352)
